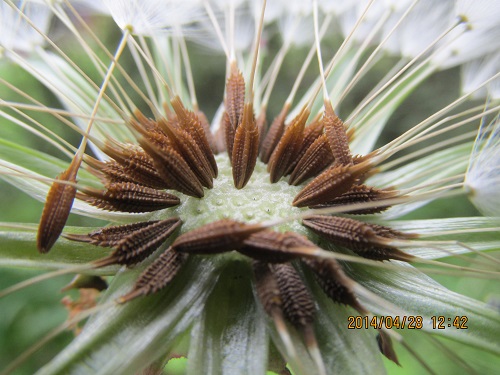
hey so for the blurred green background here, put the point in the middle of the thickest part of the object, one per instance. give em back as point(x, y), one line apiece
point(28, 315)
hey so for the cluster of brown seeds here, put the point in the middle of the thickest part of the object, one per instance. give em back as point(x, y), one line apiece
point(177, 153)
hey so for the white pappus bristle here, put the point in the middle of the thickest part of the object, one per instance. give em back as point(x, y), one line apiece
point(483, 175)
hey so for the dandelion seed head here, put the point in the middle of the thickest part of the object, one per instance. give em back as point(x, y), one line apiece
point(212, 243)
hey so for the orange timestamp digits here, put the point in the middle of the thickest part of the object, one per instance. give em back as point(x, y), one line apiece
point(388, 322)
point(442, 322)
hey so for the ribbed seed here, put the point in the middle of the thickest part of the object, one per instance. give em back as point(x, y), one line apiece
point(149, 125)
point(274, 247)
point(267, 288)
point(361, 194)
point(141, 243)
point(208, 133)
point(362, 238)
point(311, 132)
point(155, 135)
point(57, 208)
point(234, 103)
point(261, 123)
point(274, 134)
point(334, 282)
point(170, 115)
point(330, 184)
point(129, 197)
point(316, 158)
point(229, 133)
point(235, 96)
point(196, 125)
point(245, 148)
point(168, 160)
point(337, 136)
point(157, 276)
point(192, 154)
point(129, 165)
point(198, 161)
point(388, 232)
point(133, 172)
point(109, 236)
point(288, 147)
point(298, 305)
point(219, 236)
point(173, 169)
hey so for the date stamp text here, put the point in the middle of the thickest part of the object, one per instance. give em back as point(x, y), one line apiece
point(406, 322)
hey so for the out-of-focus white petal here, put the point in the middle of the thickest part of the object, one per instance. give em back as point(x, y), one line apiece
point(478, 71)
point(298, 7)
point(483, 174)
point(397, 5)
point(337, 7)
point(294, 19)
point(149, 16)
point(91, 6)
point(426, 21)
point(478, 36)
point(479, 13)
point(243, 31)
point(464, 46)
point(297, 29)
point(16, 33)
point(278, 8)
point(274, 9)
point(372, 16)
